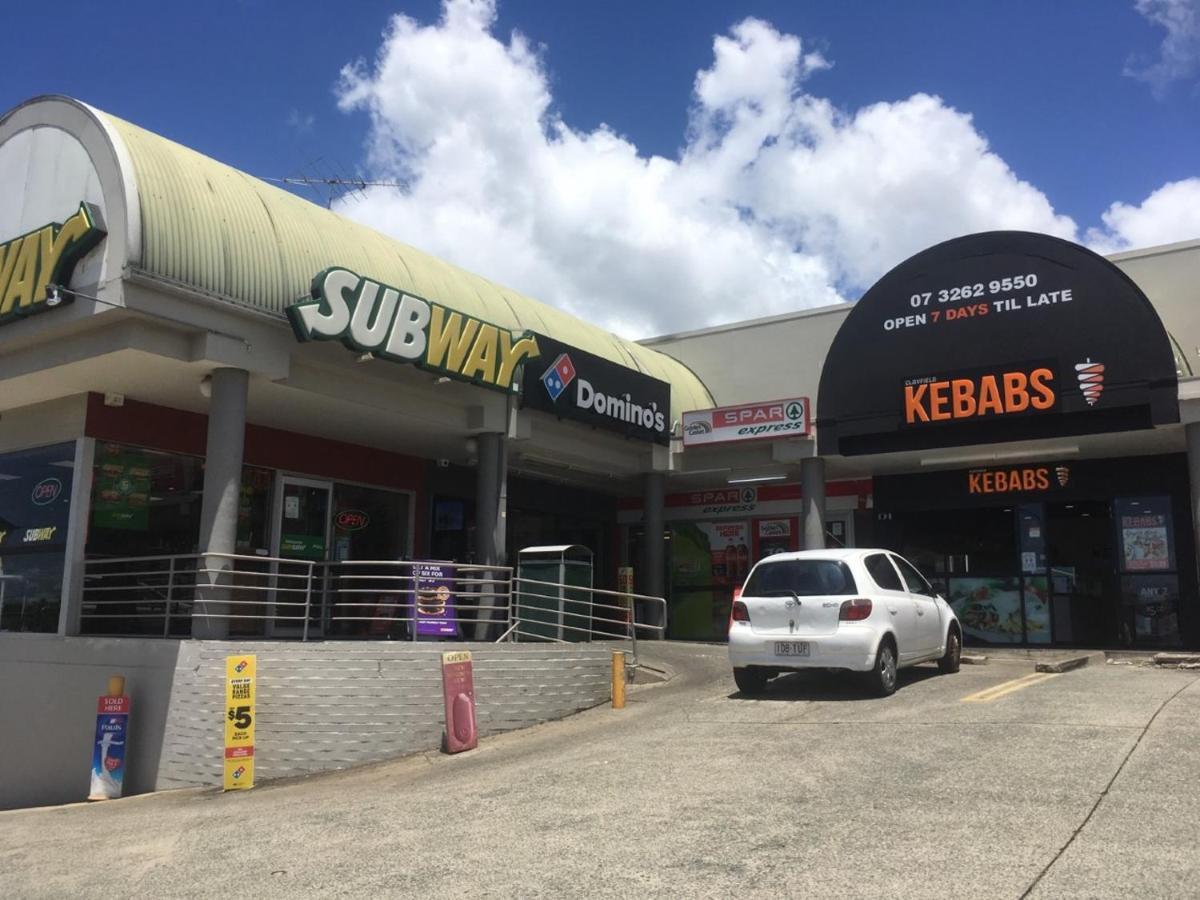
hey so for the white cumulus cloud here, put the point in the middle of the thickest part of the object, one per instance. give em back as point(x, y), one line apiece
point(1179, 56)
point(1171, 213)
point(777, 200)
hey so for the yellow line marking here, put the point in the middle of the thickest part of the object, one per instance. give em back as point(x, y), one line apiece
point(1008, 687)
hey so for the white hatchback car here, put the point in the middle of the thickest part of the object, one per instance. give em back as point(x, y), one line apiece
point(867, 611)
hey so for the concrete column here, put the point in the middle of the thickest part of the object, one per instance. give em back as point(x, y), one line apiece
point(491, 514)
point(652, 578)
point(219, 507)
point(812, 484)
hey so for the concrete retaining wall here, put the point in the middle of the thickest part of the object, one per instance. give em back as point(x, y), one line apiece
point(48, 691)
point(320, 706)
point(323, 706)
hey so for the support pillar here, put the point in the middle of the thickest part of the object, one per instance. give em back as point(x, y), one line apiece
point(219, 507)
point(653, 567)
point(1192, 431)
point(812, 484)
point(491, 517)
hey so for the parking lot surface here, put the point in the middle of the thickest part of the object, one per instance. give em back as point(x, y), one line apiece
point(994, 782)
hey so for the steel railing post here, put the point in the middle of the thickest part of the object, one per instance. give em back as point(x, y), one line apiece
point(170, 590)
point(307, 602)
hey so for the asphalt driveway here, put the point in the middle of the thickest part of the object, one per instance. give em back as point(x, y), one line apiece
point(994, 782)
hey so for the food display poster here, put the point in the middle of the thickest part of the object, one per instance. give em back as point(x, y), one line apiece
point(1037, 610)
point(1152, 602)
point(989, 609)
point(121, 494)
point(729, 551)
point(1146, 538)
point(433, 585)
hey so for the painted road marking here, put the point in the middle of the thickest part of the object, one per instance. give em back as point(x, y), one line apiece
point(1008, 687)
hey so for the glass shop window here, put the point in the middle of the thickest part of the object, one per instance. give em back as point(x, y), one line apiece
point(35, 506)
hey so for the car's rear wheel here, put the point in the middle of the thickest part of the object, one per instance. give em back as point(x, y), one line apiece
point(750, 680)
point(952, 659)
point(883, 676)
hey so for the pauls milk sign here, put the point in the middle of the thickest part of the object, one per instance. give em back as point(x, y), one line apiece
point(368, 316)
point(43, 257)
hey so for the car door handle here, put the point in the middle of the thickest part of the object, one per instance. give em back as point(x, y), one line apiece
point(920, 612)
point(893, 610)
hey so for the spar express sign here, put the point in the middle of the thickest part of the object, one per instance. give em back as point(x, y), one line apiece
point(749, 422)
point(45, 256)
point(368, 316)
point(1002, 336)
point(574, 384)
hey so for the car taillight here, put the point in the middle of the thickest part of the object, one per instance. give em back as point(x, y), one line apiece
point(854, 610)
point(739, 612)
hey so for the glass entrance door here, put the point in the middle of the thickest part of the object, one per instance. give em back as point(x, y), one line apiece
point(301, 534)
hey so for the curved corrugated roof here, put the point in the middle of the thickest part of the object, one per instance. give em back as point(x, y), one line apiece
point(214, 228)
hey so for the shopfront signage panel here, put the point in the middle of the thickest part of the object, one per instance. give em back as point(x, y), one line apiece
point(45, 256)
point(995, 337)
point(240, 678)
point(370, 317)
point(574, 384)
point(748, 422)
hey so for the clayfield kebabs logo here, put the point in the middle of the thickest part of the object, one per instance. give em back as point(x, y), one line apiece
point(1091, 380)
point(1063, 474)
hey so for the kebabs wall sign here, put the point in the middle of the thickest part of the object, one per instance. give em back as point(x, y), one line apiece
point(1003, 336)
point(368, 316)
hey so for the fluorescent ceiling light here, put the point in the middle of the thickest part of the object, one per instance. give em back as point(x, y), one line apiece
point(751, 479)
point(1001, 456)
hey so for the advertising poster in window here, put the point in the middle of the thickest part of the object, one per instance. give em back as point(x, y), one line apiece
point(1145, 534)
point(434, 588)
point(708, 559)
point(121, 493)
point(1150, 604)
point(989, 609)
point(1037, 610)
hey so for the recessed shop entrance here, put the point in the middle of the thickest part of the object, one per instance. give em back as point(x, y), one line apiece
point(1089, 556)
point(328, 524)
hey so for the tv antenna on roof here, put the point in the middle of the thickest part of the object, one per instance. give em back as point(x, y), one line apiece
point(328, 185)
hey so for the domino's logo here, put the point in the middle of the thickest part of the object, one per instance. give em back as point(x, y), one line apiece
point(240, 666)
point(556, 378)
point(239, 772)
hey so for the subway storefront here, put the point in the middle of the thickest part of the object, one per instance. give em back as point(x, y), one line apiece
point(1015, 398)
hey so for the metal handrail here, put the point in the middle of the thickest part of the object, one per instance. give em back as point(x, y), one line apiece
point(338, 598)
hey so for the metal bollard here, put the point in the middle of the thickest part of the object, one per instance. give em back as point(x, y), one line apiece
point(618, 679)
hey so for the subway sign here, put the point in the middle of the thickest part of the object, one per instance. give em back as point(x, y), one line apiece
point(45, 256)
point(367, 316)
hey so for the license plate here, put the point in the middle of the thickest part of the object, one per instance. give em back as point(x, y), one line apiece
point(791, 648)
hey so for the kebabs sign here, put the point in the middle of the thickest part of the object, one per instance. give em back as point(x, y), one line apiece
point(368, 316)
point(993, 337)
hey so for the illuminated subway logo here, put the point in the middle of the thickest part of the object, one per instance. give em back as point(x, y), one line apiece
point(46, 491)
point(371, 317)
point(46, 256)
point(985, 396)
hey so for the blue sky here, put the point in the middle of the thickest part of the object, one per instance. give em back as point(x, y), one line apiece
point(1047, 114)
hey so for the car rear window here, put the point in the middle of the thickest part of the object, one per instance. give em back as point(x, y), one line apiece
point(803, 577)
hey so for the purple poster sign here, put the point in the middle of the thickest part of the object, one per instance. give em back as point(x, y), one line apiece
point(434, 586)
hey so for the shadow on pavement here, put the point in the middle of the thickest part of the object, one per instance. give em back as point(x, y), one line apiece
point(822, 685)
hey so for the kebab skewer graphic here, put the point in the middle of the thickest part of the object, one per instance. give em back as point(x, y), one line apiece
point(1091, 380)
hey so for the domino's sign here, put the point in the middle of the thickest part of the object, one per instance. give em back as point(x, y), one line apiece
point(588, 388)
